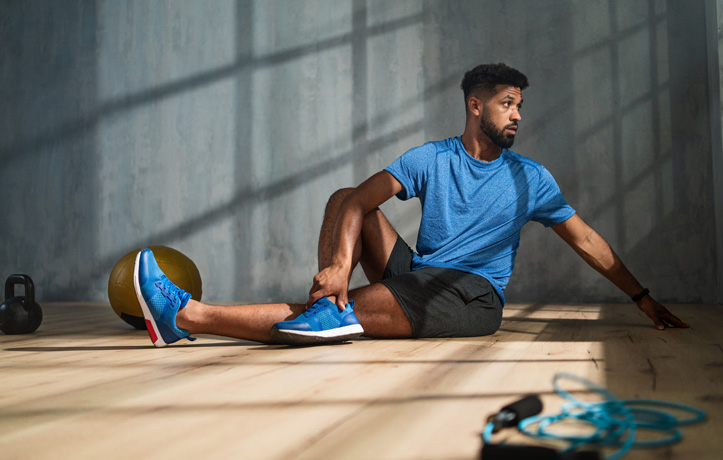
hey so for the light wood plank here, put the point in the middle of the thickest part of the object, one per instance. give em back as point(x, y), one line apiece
point(87, 385)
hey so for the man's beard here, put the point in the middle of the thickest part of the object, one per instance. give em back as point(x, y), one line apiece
point(497, 136)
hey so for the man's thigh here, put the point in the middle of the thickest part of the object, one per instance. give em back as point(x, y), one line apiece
point(442, 302)
point(379, 313)
point(378, 239)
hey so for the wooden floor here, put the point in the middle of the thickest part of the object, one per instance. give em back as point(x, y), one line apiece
point(86, 385)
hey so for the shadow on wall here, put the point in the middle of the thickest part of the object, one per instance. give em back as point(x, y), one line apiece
point(639, 166)
point(49, 183)
point(56, 116)
point(612, 121)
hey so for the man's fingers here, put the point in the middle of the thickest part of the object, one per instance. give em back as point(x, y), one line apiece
point(329, 283)
point(660, 315)
point(666, 318)
point(341, 302)
point(314, 286)
point(341, 299)
point(313, 297)
point(657, 320)
point(674, 321)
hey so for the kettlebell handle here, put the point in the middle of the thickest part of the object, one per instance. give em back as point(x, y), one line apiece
point(20, 279)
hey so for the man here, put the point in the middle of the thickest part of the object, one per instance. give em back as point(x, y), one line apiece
point(476, 195)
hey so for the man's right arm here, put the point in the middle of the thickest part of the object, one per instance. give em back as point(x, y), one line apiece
point(370, 194)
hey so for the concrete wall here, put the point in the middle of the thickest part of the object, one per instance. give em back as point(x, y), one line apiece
point(220, 127)
point(714, 15)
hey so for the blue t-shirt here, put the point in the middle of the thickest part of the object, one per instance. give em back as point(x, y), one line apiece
point(473, 211)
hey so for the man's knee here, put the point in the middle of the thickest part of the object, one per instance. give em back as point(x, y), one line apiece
point(372, 220)
point(337, 198)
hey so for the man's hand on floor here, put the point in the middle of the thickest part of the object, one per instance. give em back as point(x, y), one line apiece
point(659, 314)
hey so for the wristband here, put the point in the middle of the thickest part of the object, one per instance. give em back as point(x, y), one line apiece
point(640, 295)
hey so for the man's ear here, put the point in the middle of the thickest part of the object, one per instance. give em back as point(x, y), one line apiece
point(474, 106)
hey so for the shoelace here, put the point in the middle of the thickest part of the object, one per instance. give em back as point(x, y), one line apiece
point(170, 291)
point(314, 308)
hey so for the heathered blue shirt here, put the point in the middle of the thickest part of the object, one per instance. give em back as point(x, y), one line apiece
point(473, 211)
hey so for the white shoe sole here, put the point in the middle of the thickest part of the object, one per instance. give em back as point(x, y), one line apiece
point(150, 322)
point(339, 334)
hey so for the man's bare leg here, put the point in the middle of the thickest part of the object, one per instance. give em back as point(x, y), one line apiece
point(375, 306)
point(248, 322)
point(374, 245)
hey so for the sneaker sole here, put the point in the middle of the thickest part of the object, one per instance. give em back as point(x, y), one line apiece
point(153, 331)
point(340, 334)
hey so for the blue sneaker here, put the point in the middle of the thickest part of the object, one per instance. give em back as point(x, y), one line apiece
point(160, 300)
point(323, 322)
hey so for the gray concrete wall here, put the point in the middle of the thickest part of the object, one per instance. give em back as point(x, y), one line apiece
point(220, 127)
point(714, 15)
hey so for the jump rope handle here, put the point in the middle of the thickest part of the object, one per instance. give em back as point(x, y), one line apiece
point(510, 416)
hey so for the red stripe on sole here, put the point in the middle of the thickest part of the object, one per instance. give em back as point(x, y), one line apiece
point(151, 331)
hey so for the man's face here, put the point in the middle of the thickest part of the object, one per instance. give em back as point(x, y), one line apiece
point(500, 115)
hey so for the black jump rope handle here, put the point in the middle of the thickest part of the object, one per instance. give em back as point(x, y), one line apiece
point(517, 452)
point(511, 415)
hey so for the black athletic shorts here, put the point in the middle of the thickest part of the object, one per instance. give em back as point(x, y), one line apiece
point(442, 302)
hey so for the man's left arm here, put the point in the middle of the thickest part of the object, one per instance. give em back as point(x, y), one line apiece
point(599, 255)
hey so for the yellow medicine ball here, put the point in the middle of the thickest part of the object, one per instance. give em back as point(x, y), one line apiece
point(122, 296)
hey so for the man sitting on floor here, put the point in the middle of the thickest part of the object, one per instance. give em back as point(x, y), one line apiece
point(476, 195)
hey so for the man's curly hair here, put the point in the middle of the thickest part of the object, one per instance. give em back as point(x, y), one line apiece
point(481, 80)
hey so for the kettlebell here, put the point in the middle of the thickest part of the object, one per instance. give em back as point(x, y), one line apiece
point(21, 314)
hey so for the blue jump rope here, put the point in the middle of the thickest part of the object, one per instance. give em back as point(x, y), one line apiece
point(613, 422)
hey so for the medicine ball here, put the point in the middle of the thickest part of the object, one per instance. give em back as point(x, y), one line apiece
point(122, 296)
